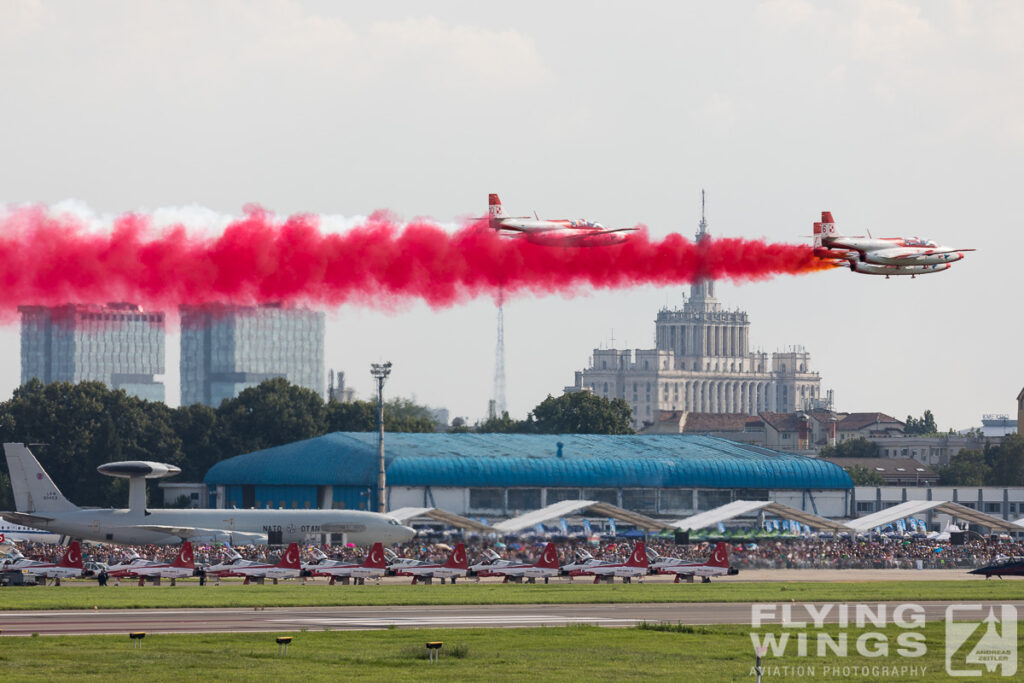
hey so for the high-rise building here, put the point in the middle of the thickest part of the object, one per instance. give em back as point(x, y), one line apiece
point(118, 344)
point(702, 363)
point(226, 349)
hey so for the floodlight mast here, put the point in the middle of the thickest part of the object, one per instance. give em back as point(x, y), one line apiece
point(380, 372)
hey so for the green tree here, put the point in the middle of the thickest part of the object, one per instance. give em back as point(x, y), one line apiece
point(582, 412)
point(400, 415)
point(1005, 462)
point(862, 476)
point(273, 413)
point(503, 425)
point(923, 425)
point(967, 468)
point(851, 448)
point(201, 437)
point(78, 427)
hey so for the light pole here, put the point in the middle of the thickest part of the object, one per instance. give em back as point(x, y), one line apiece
point(380, 372)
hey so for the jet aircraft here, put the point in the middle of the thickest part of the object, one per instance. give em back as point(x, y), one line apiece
point(287, 568)
point(636, 566)
point(1010, 567)
point(40, 504)
point(881, 255)
point(716, 565)
point(556, 232)
point(69, 567)
point(372, 567)
point(182, 567)
point(545, 567)
point(454, 567)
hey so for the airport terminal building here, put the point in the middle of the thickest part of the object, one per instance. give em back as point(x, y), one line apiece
point(498, 476)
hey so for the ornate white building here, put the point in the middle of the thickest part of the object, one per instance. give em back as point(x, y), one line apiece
point(702, 363)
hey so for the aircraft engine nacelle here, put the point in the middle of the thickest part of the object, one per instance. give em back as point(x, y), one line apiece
point(229, 537)
point(876, 269)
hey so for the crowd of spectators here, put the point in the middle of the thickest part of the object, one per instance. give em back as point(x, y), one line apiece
point(841, 552)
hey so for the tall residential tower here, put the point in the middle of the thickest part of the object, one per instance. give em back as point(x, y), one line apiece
point(225, 349)
point(118, 344)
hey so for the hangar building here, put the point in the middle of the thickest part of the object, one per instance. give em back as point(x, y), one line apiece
point(501, 475)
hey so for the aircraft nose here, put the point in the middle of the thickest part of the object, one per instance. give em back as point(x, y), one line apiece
point(408, 533)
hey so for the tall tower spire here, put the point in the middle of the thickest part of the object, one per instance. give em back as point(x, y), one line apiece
point(702, 290)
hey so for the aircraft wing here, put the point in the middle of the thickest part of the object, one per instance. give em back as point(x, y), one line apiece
point(611, 230)
point(910, 254)
point(187, 533)
point(25, 519)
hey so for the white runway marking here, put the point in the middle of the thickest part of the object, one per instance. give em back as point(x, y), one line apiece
point(456, 622)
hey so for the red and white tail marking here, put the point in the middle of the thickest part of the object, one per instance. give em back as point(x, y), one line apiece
point(719, 556)
point(548, 558)
point(639, 556)
point(457, 560)
point(494, 209)
point(828, 225)
point(184, 558)
point(72, 557)
point(290, 559)
point(375, 560)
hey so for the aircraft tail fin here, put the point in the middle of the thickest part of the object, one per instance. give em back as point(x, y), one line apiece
point(549, 558)
point(817, 235)
point(828, 226)
point(184, 558)
point(457, 560)
point(72, 558)
point(639, 556)
point(720, 555)
point(375, 560)
point(494, 209)
point(34, 491)
point(290, 559)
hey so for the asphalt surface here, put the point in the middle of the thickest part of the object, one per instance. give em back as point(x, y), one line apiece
point(200, 620)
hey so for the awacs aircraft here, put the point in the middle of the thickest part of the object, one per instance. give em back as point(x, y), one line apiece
point(454, 567)
point(372, 568)
point(546, 566)
point(716, 565)
point(636, 566)
point(881, 255)
point(69, 567)
point(554, 232)
point(182, 567)
point(286, 568)
point(1010, 567)
point(41, 505)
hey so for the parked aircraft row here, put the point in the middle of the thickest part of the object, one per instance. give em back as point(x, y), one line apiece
point(378, 562)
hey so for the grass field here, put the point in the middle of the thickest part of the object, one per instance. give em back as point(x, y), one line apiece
point(575, 653)
point(190, 594)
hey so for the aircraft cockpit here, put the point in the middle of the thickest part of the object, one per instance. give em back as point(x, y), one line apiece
point(918, 242)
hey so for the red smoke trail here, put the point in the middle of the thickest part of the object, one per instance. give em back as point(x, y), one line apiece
point(51, 260)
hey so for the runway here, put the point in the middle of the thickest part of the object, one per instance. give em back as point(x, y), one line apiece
point(199, 620)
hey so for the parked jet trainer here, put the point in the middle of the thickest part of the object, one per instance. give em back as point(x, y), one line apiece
point(41, 505)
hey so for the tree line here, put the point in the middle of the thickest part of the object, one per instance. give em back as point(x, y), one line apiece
point(74, 428)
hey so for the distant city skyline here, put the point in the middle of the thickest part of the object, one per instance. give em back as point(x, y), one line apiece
point(899, 117)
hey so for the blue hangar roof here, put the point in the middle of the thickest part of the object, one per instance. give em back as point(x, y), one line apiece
point(659, 461)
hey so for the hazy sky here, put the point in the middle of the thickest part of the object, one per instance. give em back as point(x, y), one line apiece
point(901, 118)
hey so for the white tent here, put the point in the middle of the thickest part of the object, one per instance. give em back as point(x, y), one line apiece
point(912, 508)
point(739, 508)
point(571, 507)
point(405, 514)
